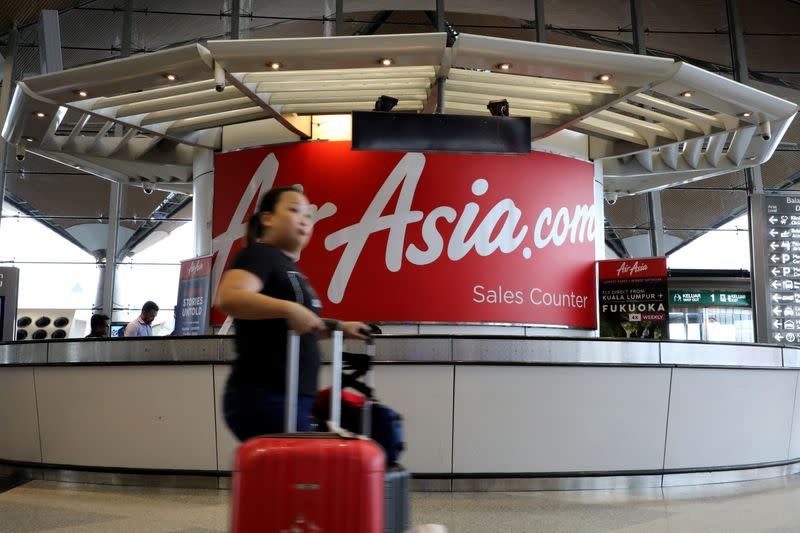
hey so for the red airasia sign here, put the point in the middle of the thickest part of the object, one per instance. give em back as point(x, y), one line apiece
point(428, 237)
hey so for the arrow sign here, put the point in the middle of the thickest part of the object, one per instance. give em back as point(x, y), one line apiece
point(776, 324)
point(775, 284)
point(775, 258)
point(773, 246)
point(778, 337)
point(775, 298)
point(777, 311)
point(773, 232)
point(772, 220)
point(776, 271)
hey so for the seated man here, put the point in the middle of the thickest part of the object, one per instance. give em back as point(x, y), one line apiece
point(142, 325)
point(99, 326)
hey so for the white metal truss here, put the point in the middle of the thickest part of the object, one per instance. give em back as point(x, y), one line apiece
point(652, 122)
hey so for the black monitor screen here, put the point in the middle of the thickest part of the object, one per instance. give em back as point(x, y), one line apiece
point(412, 132)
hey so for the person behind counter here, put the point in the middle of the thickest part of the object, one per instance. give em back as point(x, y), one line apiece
point(142, 325)
point(267, 294)
point(99, 326)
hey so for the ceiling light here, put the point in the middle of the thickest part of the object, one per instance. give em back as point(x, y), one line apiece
point(504, 66)
point(746, 114)
point(387, 61)
point(171, 77)
point(604, 77)
point(39, 114)
point(686, 94)
point(275, 65)
point(29, 139)
point(83, 94)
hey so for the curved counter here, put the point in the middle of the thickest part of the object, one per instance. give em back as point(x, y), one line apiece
point(481, 413)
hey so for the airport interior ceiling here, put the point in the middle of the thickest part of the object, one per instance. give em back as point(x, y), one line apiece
point(694, 31)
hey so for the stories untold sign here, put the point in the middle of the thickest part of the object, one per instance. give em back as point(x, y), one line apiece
point(427, 237)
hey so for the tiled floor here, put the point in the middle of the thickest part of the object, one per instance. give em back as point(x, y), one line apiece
point(770, 506)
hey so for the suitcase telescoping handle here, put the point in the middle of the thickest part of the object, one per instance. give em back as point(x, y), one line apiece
point(369, 378)
point(293, 377)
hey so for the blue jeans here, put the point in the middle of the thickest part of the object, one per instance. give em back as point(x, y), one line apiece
point(250, 412)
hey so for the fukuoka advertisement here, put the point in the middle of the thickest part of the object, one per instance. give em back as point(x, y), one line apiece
point(633, 298)
point(413, 237)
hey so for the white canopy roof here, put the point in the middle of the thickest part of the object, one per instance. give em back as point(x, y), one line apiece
point(653, 123)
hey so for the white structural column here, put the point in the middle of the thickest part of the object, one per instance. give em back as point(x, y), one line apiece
point(110, 269)
point(202, 200)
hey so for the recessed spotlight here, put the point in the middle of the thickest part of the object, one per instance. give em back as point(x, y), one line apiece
point(39, 114)
point(747, 114)
point(604, 77)
point(29, 139)
point(275, 65)
point(387, 61)
point(171, 77)
point(504, 66)
point(83, 94)
point(686, 94)
point(751, 158)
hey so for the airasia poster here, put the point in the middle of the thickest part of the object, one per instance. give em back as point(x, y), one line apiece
point(634, 298)
point(412, 237)
point(191, 311)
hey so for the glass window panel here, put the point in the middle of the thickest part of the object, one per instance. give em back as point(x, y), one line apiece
point(628, 242)
point(57, 285)
point(136, 284)
point(23, 238)
point(693, 326)
point(172, 247)
point(57, 192)
point(725, 248)
point(148, 218)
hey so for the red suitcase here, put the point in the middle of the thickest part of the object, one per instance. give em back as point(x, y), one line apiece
point(308, 482)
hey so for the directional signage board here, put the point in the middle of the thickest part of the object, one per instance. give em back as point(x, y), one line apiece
point(702, 297)
point(782, 246)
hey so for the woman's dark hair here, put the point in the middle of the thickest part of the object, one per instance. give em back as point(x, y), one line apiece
point(267, 205)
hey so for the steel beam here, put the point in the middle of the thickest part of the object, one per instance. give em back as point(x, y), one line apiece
point(541, 31)
point(235, 9)
point(637, 25)
point(127, 31)
point(50, 42)
point(736, 37)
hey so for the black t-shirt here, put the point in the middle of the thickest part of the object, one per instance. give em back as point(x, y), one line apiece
point(261, 344)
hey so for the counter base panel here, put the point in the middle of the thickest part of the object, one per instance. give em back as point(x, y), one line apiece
point(22, 472)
